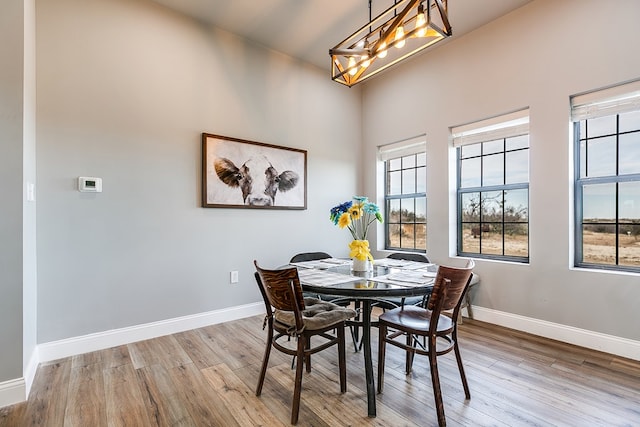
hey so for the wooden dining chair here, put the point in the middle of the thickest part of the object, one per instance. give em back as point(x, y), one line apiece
point(403, 326)
point(353, 324)
point(289, 314)
point(409, 256)
point(309, 256)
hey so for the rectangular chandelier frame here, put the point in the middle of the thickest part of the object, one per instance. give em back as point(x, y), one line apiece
point(396, 34)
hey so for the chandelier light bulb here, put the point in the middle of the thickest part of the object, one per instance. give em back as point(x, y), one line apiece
point(382, 49)
point(421, 23)
point(400, 37)
point(365, 61)
point(382, 52)
point(352, 65)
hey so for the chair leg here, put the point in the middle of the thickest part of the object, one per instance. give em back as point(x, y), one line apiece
point(355, 332)
point(463, 377)
point(425, 299)
point(353, 336)
point(265, 362)
point(408, 355)
point(357, 339)
point(300, 357)
point(342, 360)
point(382, 344)
point(435, 380)
point(307, 358)
point(468, 302)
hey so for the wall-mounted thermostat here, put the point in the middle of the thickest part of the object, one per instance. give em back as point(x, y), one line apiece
point(88, 184)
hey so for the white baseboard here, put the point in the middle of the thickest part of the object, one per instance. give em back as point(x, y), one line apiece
point(102, 340)
point(581, 337)
point(12, 391)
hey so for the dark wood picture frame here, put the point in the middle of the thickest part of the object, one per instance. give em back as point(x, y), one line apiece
point(237, 173)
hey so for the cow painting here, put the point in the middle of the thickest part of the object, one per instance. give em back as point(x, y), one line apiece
point(237, 173)
point(258, 180)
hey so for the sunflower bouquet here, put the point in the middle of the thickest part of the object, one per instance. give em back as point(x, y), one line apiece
point(356, 216)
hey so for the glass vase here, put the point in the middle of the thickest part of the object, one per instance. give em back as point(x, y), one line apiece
point(361, 265)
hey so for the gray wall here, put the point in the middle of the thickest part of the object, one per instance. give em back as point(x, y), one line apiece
point(11, 169)
point(125, 89)
point(535, 57)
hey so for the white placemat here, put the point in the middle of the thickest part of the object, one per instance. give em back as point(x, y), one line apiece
point(321, 264)
point(406, 278)
point(402, 264)
point(317, 277)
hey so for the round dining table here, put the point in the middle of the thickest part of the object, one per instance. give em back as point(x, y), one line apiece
point(366, 288)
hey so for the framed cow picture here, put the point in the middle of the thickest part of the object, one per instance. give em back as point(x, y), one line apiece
point(245, 174)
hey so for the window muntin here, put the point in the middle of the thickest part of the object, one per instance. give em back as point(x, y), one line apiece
point(493, 198)
point(607, 191)
point(406, 203)
point(629, 148)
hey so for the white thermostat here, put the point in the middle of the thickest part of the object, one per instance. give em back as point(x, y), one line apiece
point(87, 184)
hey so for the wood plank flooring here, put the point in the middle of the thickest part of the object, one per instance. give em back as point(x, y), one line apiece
point(207, 377)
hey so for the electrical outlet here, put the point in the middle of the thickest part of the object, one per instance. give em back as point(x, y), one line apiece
point(234, 277)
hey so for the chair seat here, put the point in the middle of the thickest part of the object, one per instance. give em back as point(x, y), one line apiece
point(316, 315)
point(414, 319)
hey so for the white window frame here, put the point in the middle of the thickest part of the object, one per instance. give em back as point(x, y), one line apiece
point(407, 147)
point(614, 100)
point(495, 128)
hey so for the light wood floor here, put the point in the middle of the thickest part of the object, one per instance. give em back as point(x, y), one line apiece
point(207, 377)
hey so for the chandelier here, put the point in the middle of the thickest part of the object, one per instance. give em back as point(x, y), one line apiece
point(404, 29)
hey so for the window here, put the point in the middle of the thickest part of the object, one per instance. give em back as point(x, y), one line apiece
point(493, 187)
point(405, 171)
point(606, 128)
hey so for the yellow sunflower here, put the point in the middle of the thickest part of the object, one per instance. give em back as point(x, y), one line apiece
point(344, 221)
point(355, 212)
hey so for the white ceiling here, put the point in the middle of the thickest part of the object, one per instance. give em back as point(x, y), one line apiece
point(307, 29)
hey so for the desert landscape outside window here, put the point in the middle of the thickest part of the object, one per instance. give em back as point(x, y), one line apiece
point(405, 207)
point(607, 185)
point(493, 188)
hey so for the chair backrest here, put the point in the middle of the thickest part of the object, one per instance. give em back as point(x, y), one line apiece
point(281, 287)
point(409, 257)
point(281, 290)
point(451, 296)
point(309, 256)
